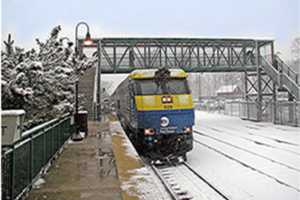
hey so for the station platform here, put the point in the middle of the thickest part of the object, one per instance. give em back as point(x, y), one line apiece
point(104, 165)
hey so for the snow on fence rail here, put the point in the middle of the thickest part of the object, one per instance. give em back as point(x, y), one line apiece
point(24, 160)
point(287, 113)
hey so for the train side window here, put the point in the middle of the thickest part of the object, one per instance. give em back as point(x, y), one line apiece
point(132, 88)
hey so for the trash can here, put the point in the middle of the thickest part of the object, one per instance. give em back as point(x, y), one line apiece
point(83, 121)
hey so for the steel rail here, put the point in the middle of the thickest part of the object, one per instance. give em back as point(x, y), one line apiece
point(205, 181)
point(164, 182)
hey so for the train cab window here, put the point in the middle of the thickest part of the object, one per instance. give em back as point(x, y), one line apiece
point(177, 86)
point(172, 86)
point(147, 87)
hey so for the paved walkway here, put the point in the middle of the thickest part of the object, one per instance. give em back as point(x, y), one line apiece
point(85, 170)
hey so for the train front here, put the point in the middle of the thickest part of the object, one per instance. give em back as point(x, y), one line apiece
point(165, 113)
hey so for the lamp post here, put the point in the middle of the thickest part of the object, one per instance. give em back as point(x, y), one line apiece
point(88, 41)
point(99, 81)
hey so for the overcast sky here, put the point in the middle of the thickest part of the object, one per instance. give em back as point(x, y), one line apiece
point(276, 19)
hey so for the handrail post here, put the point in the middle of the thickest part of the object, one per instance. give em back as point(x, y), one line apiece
point(45, 147)
point(30, 158)
point(12, 191)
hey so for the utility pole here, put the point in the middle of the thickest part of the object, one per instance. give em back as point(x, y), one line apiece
point(99, 80)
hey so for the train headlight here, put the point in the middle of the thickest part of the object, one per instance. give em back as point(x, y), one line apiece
point(164, 121)
point(149, 131)
point(188, 130)
point(166, 99)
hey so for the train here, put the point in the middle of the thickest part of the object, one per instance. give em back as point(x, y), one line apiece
point(155, 109)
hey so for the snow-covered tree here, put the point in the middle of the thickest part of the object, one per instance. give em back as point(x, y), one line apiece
point(295, 50)
point(41, 81)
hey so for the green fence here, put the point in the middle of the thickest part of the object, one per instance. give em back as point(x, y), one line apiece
point(26, 158)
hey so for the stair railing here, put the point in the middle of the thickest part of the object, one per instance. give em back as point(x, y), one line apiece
point(284, 68)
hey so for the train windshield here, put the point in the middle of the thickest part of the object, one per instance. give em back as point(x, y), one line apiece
point(172, 86)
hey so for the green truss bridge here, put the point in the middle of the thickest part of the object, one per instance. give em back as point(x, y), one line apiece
point(265, 73)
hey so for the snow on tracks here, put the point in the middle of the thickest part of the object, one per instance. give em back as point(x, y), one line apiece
point(245, 159)
point(183, 182)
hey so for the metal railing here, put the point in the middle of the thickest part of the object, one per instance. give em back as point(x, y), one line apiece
point(283, 67)
point(287, 113)
point(24, 160)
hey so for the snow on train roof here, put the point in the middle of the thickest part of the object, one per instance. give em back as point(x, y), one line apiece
point(149, 73)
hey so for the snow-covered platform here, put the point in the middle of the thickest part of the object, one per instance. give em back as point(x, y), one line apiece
point(104, 165)
point(137, 180)
point(247, 160)
point(85, 170)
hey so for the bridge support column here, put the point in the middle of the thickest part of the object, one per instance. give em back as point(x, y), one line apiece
point(274, 94)
point(246, 108)
point(259, 83)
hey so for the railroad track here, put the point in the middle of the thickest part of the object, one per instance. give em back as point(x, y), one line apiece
point(206, 181)
point(182, 182)
point(170, 185)
point(246, 150)
point(245, 164)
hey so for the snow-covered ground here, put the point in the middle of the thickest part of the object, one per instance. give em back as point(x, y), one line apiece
point(247, 160)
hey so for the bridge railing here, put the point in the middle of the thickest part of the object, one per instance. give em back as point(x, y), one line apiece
point(25, 159)
point(210, 62)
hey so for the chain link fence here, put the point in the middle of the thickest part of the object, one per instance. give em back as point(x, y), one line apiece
point(24, 160)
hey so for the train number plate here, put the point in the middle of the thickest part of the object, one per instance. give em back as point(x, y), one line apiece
point(171, 129)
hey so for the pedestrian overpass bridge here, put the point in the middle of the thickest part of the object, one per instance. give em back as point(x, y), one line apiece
point(265, 73)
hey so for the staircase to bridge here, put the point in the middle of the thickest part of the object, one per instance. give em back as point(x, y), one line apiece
point(86, 91)
point(283, 75)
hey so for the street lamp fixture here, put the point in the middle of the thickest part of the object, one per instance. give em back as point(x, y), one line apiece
point(88, 40)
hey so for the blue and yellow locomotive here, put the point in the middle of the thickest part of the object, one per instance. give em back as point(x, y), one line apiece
point(155, 108)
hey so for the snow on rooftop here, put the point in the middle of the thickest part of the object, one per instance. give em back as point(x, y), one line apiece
point(227, 89)
point(12, 112)
point(82, 112)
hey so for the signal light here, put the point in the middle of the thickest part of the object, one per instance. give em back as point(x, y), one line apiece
point(149, 131)
point(188, 130)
